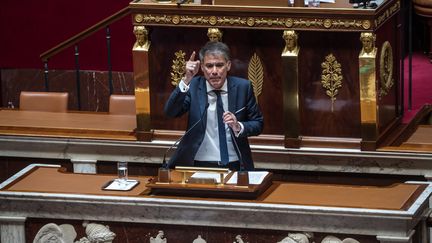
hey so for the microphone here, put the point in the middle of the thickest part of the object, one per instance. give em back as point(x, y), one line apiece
point(236, 147)
point(164, 163)
point(242, 174)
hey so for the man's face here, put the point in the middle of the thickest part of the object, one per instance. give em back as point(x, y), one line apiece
point(215, 69)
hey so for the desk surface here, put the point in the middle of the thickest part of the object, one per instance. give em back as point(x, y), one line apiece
point(70, 124)
point(36, 198)
point(394, 197)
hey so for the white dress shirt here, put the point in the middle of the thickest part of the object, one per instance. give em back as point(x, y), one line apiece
point(209, 149)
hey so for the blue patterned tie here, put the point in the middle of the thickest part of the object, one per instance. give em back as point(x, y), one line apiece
point(221, 128)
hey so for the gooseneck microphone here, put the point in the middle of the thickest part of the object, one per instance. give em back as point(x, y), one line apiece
point(164, 163)
point(237, 149)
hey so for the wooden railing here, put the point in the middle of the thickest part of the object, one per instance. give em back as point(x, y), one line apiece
point(74, 40)
point(84, 34)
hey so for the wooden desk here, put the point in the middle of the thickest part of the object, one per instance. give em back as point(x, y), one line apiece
point(395, 197)
point(70, 124)
point(372, 214)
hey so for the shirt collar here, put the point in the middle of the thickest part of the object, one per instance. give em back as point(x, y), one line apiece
point(224, 87)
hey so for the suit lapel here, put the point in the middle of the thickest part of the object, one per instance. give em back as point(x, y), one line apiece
point(232, 90)
point(202, 96)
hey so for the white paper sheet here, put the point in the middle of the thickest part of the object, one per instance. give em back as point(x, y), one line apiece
point(255, 177)
point(117, 185)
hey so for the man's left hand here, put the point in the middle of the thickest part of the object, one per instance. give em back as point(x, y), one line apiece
point(231, 120)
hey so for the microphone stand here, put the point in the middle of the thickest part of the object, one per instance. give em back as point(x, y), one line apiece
point(242, 174)
point(164, 171)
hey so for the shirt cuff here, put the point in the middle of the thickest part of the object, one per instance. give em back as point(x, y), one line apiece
point(237, 134)
point(183, 87)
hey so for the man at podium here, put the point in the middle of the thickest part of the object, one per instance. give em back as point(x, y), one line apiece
point(223, 113)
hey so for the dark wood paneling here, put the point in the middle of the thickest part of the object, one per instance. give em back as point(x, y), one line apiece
point(267, 45)
point(317, 119)
point(388, 104)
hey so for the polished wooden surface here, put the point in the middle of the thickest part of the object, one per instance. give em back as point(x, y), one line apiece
point(398, 196)
point(68, 124)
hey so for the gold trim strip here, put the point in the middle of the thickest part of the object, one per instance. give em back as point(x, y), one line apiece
point(266, 23)
point(387, 14)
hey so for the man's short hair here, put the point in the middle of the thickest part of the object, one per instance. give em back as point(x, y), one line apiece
point(215, 47)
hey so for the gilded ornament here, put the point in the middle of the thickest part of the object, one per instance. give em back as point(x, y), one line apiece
point(178, 67)
point(386, 69)
point(176, 19)
point(256, 74)
point(267, 22)
point(291, 45)
point(331, 77)
point(393, 9)
point(214, 34)
point(368, 42)
point(327, 23)
point(366, 24)
point(142, 42)
point(289, 22)
point(250, 21)
point(139, 18)
point(213, 20)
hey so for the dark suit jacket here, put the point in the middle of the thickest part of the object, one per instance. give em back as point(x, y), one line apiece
point(240, 94)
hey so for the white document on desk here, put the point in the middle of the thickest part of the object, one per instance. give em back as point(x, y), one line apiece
point(255, 177)
point(117, 185)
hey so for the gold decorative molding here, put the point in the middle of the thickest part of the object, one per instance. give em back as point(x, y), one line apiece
point(386, 69)
point(265, 23)
point(387, 14)
point(256, 74)
point(178, 67)
point(331, 77)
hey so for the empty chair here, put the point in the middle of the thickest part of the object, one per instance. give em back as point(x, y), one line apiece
point(122, 105)
point(44, 101)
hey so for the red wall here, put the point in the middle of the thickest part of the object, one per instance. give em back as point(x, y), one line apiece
point(28, 28)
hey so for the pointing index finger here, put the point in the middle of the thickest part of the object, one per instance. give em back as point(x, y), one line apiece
point(192, 57)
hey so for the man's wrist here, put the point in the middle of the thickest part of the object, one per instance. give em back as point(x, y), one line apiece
point(186, 80)
point(183, 86)
point(238, 128)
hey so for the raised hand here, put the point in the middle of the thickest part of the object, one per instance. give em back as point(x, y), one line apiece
point(192, 68)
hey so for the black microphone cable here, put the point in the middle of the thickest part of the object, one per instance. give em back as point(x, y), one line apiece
point(164, 163)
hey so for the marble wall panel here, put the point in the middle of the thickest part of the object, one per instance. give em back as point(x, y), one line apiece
point(94, 87)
